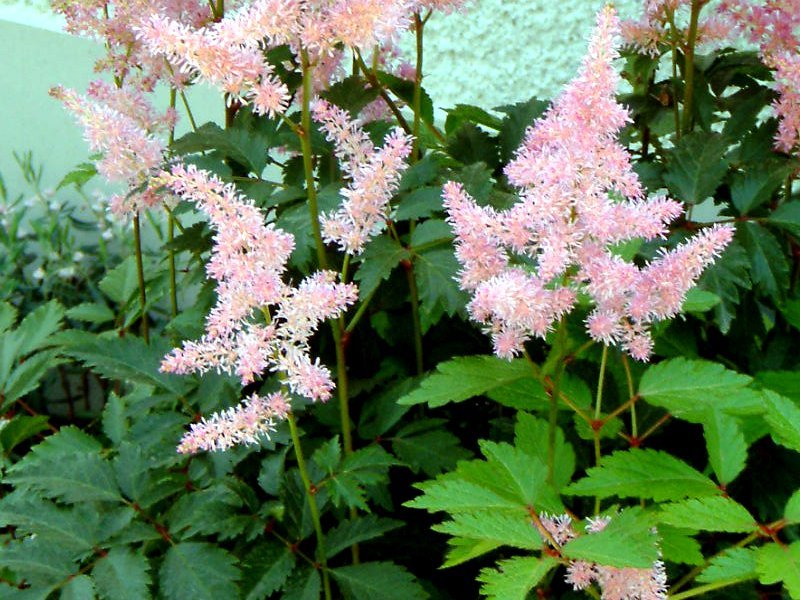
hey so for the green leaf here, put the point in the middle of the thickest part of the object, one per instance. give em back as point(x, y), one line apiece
point(37, 561)
point(780, 564)
point(465, 377)
point(531, 437)
point(352, 94)
point(677, 546)
point(500, 529)
point(421, 202)
point(460, 496)
point(35, 329)
point(355, 531)
point(19, 429)
point(115, 423)
point(378, 260)
point(729, 274)
point(792, 511)
point(122, 282)
point(756, 186)
point(8, 316)
point(79, 176)
point(78, 588)
point(639, 473)
point(27, 376)
point(91, 312)
point(470, 144)
point(518, 118)
point(515, 577)
point(769, 269)
point(727, 449)
point(73, 529)
point(71, 477)
point(435, 271)
point(198, 571)
point(735, 564)
point(696, 166)
point(122, 575)
point(473, 114)
point(787, 216)
point(627, 541)
point(699, 301)
point(430, 232)
point(783, 418)
point(461, 550)
point(689, 388)
point(266, 569)
point(428, 451)
point(713, 513)
point(303, 584)
point(371, 580)
point(785, 383)
point(245, 147)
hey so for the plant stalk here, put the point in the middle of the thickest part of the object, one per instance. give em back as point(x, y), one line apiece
point(688, 97)
point(137, 240)
point(312, 504)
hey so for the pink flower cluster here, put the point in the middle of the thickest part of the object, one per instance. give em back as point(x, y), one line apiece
point(260, 322)
point(775, 26)
point(374, 175)
point(121, 124)
point(615, 583)
point(662, 24)
point(579, 197)
point(253, 419)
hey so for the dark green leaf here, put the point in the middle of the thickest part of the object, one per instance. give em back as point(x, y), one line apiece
point(122, 575)
point(266, 570)
point(769, 268)
point(198, 571)
point(518, 118)
point(787, 216)
point(696, 166)
point(356, 531)
point(380, 257)
point(371, 580)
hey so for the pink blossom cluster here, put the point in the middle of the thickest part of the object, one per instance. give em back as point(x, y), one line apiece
point(253, 419)
point(374, 175)
point(615, 583)
point(122, 125)
point(259, 323)
point(579, 198)
point(775, 26)
point(663, 24)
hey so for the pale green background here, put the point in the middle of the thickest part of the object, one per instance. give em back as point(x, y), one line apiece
point(498, 52)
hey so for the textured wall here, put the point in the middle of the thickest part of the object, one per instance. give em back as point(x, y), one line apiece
point(496, 53)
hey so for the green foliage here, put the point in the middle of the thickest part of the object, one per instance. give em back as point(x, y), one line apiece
point(514, 578)
point(377, 579)
point(712, 513)
point(627, 541)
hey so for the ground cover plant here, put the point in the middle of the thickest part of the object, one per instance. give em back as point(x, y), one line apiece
point(544, 350)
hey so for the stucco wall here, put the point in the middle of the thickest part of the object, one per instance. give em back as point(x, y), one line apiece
point(498, 52)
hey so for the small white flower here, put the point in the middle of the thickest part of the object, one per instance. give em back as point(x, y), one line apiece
point(38, 274)
point(78, 256)
point(66, 272)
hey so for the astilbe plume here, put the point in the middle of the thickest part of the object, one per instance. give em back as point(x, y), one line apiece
point(579, 197)
point(123, 126)
point(248, 262)
point(615, 583)
point(775, 26)
point(374, 175)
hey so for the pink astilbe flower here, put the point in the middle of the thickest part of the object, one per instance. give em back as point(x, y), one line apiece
point(579, 196)
point(248, 262)
point(615, 583)
point(253, 419)
point(374, 176)
point(775, 26)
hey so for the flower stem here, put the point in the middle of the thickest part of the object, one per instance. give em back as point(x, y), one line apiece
point(709, 587)
point(419, 27)
point(631, 395)
point(688, 96)
point(414, 292)
point(137, 240)
point(312, 504)
point(598, 407)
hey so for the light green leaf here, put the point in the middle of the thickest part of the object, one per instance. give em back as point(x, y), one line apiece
point(303, 584)
point(531, 436)
point(122, 575)
point(121, 282)
point(792, 511)
point(783, 418)
point(91, 312)
point(678, 546)
point(514, 578)
point(501, 529)
point(687, 388)
point(780, 564)
point(27, 376)
point(713, 513)
point(430, 232)
point(461, 550)
point(384, 580)
point(627, 541)
point(115, 424)
point(19, 429)
point(198, 571)
point(639, 473)
point(735, 564)
point(699, 301)
point(727, 449)
point(460, 496)
point(465, 377)
point(38, 326)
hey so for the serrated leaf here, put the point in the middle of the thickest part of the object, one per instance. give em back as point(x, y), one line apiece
point(351, 94)
point(699, 301)
point(79, 176)
point(776, 563)
point(378, 260)
point(735, 564)
point(727, 449)
point(714, 513)
point(783, 418)
point(8, 316)
point(627, 541)
point(37, 561)
point(121, 282)
point(198, 571)
point(27, 376)
point(430, 232)
point(696, 166)
point(473, 114)
point(245, 147)
point(515, 577)
point(639, 473)
point(73, 529)
point(769, 269)
point(729, 274)
point(461, 550)
point(355, 531)
point(531, 436)
point(677, 546)
point(421, 202)
point(35, 329)
point(78, 588)
point(91, 312)
point(465, 377)
point(498, 528)
point(689, 388)
point(266, 569)
point(755, 186)
point(518, 118)
point(785, 383)
point(430, 451)
point(73, 477)
point(435, 271)
point(19, 429)
point(115, 424)
point(792, 511)
point(304, 584)
point(122, 575)
point(786, 216)
point(384, 580)
point(459, 496)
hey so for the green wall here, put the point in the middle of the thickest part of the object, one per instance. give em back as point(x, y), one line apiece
point(498, 52)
